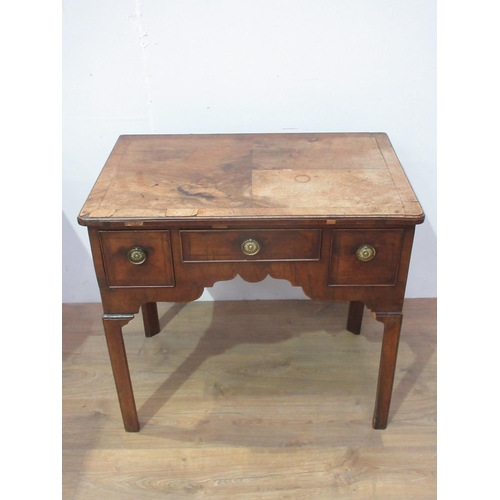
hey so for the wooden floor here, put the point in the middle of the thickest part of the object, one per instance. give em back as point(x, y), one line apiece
point(250, 400)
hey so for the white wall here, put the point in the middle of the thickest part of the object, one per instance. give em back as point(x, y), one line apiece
point(201, 66)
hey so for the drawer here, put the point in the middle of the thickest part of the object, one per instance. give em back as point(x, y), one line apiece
point(137, 258)
point(365, 257)
point(251, 245)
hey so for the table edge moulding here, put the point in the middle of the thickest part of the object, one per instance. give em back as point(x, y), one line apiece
point(170, 215)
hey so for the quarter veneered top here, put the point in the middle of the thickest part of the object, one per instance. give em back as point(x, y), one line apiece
point(246, 176)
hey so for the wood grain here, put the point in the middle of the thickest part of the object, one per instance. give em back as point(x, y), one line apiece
point(252, 175)
point(250, 400)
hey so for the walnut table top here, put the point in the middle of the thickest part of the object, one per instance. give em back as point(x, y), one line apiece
point(252, 176)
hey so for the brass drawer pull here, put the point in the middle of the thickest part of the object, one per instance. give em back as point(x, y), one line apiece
point(365, 253)
point(250, 247)
point(137, 255)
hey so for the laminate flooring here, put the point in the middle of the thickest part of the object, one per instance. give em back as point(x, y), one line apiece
point(249, 400)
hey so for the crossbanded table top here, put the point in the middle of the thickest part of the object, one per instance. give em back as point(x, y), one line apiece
point(245, 176)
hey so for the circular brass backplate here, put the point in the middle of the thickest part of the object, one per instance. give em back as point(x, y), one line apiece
point(137, 255)
point(250, 247)
point(365, 253)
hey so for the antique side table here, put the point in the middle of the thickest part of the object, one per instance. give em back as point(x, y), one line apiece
point(172, 214)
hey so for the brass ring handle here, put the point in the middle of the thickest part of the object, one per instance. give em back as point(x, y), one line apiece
point(250, 247)
point(137, 255)
point(365, 253)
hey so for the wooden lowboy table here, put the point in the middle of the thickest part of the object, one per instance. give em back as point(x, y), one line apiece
point(172, 214)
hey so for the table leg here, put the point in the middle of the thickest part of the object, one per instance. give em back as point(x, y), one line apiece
point(150, 319)
point(392, 329)
point(355, 316)
point(113, 324)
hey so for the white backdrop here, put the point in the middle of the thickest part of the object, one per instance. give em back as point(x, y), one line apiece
point(221, 66)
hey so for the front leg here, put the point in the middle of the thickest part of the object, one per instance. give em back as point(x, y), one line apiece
point(392, 329)
point(113, 324)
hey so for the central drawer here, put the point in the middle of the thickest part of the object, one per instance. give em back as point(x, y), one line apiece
point(250, 245)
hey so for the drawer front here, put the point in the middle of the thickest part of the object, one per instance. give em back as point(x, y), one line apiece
point(365, 257)
point(251, 245)
point(121, 249)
